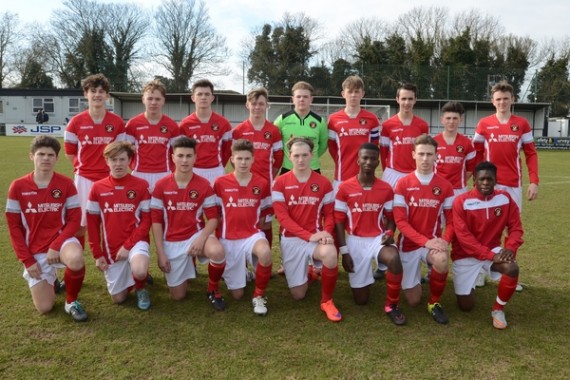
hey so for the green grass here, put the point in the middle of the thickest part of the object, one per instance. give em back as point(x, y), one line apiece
point(295, 341)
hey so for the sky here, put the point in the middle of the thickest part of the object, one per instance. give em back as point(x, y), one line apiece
point(236, 19)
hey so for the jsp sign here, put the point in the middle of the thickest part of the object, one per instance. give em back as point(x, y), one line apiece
point(34, 130)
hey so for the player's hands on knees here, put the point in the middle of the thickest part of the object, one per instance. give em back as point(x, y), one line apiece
point(35, 271)
point(437, 244)
point(322, 237)
point(388, 238)
point(347, 263)
point(101, 264)
point(197, 247)
point(504, 256)
point(163, 263)
point(52, 256)
point(122, 254)
point(532, 192)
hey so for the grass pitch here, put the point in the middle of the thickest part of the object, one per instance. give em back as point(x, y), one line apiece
point(188, 340)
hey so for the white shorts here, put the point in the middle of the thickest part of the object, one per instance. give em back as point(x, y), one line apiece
point(514, 192)
point(295, 254)
point(181, 264)
point(151, 178)
point(411, 264)
point(363, 250)
point(465, 273)
point(48, 270)
point(392, 176)
point(211, 174)
point(238, 253)
point(83, 186)
point(119, 275)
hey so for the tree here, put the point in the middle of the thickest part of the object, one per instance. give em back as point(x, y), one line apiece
point(8, 36)
point(34, 76)
point(188, 44)
point(552, 85)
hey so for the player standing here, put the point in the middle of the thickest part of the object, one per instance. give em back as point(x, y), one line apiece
point(499, 138)
point(212, 132)
point(349, 128)
point(118, 224)
point(303, 204)
point(266, 138)
point(362, 204)
point(178, 206)
point(420, 198)
point(152, 133)
point(86, 136)
point(43, 215)
point(244, 199)
point(480, 217)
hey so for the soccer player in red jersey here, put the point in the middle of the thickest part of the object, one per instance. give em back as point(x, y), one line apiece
point(480, 218)
point(420, 199)
point(244, 199)
point(152, 133)
point(397, 136)
point(349, 128)
point(455, 158)
point(362, 204)
point(211, 130)
point(86, 136)
point(43, 216)
point(303, 202)
point(178, 206)
point(118, 224)
point(266, 138)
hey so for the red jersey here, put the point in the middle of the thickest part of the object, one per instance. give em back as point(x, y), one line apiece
point(181, 210)
point(362, 209)
point(501, 144)
point(118, 210)
point(418, 208)
point(479, 223)
point(242, 207)
point(397, 143)
point(86, 141)
point(303, 208)
point(346, 135)
point(454, 160)
point(41, 218)
point(152, 142)
point(267, 145)
point(214, 139)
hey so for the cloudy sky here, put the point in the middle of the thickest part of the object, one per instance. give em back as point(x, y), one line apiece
point(235, 19)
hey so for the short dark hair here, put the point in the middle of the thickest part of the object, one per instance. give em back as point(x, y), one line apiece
point(241, 145)
point(485, 165)
point(300, 139)
point(407, 86)
point(502, 86)
point(425, 139)
point(184, 142)
point(44, 141)
point(94, 81)
point(369, 146)
point(454, 107)
point(203, 83)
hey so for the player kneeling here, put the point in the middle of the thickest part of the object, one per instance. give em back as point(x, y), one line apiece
point(362, 205)
point(179, 203)
point(480, 217)
point(43, 215)
point(244, 199)
point(118, 224)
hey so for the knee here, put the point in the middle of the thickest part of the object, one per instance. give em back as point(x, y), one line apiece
point(298, 295)
point(44, 307)
point(76, 263)
point(465, 306)
point(119, 298)
point(512, 270)
point(440, 263)
point(360, 300)
point(329, 257)
point(237, 294)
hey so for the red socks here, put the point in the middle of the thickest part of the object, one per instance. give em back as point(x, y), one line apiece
point(328, 282)
point(262, 276)
point(215, 272)
point(73, 283)
point(437, 282)
point(394, 284)
point(507, 287)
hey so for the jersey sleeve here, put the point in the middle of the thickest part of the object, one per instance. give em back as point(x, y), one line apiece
point(277, 150)
point(384, 146)
point(531, 159)
point(328, 211)
point(94, 224)
point(465, 238)
point(514, 239)
point(16, 228)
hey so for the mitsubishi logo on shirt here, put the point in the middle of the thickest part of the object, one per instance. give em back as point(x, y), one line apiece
point(397, 141)
point(231, 202)
point(342, 132)
point(31, 209)
point(292, 201)
point(413, 202)
point(492, 138)
point(439, 160)
point(107, 208)
point(169, 206)
point(86, 141)
point(356, 208)
point(142, 140)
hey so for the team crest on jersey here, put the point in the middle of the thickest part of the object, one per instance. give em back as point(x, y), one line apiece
point(498, 211)
point(109, 128)
point(362, 121)
point(436, 190)
point(215, 127)
point(267, 135)
point(56, 193)
point(314, 187)
point(514, 127)
point(193, 194)
point(131, 194)
point(164, 129)
point(313, 125)
point(256, 190)
point(460, 148)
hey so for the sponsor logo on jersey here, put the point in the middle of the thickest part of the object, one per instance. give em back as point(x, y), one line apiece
point(215, 127)
point(508, 138)
point(314, 187)
point(267, 135)
point(119, 207)
point(498, 211)
point(56, 193)
point(424, 202)
point(131, 194)
point(304, 200)
point(109, 128)
point(256, 190)
point(49, 207)
point(460, 148)
point(193, 194)
point(207, 138)
point(436, 190)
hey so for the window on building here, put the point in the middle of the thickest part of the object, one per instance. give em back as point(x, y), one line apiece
point(1, 106)
point(77, 105)
point(45, 103)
